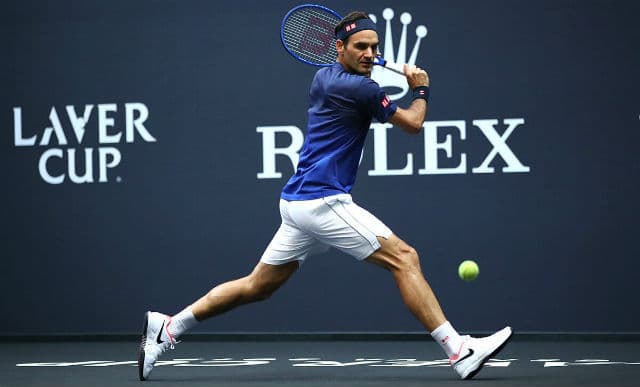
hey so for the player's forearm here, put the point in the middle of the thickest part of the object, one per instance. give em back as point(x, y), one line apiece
point(418, 108)
point(411, 118)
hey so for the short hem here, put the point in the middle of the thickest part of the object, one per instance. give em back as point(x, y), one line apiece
point(281, 262)
point(371, 251)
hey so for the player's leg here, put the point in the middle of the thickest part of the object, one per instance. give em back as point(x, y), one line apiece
point(359, 233)
point(280, 260)
point(467, 354)
point(160, 331)
point(288, 247)
point(403, 262)
point(263, 281)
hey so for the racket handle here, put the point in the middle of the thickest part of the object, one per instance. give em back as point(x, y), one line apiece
point(395, 67)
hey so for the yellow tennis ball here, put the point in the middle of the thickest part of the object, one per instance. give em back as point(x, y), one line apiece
point(468, 270)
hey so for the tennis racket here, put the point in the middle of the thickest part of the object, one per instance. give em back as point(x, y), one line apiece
point(307, 33)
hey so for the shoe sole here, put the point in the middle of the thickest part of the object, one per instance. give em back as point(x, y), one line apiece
point(141, 349)
point(484, 361)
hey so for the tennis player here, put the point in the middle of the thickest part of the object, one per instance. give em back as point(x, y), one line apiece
point(318, 211)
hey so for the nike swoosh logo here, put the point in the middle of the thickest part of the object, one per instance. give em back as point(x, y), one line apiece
point(466, 356)
point(159, 339)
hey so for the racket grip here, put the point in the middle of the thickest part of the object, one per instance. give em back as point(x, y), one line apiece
point(395, 67)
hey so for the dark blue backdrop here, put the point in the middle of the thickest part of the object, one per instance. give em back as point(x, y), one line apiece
point(182, 208)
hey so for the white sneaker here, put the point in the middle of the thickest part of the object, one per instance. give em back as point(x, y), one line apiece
point(155, 340)
point(475, 352)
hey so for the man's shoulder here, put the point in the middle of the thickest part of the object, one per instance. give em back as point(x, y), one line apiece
point(347, 79)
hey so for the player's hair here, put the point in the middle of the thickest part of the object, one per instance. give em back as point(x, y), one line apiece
point(350, 18)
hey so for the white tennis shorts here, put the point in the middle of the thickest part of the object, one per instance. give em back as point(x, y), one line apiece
point(313, 226)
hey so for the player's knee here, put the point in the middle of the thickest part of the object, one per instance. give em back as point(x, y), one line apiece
point(262, 295)
point(409, 259)
point(259, 290)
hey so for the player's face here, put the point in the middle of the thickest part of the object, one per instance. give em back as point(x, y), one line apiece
point(357, 55)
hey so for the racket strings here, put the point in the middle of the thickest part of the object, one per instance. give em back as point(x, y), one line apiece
point(308, 34)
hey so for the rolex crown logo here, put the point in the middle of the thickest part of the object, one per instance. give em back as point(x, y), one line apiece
point(396, 84)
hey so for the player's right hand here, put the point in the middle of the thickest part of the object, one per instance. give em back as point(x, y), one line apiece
point(416, 76)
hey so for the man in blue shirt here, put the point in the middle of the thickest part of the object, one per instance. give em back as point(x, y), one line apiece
point(318, 212)
point(342, 104)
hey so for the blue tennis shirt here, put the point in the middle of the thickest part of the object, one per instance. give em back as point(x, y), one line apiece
point(342, 106)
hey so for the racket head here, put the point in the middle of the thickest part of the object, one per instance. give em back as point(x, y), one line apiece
point(307, 33)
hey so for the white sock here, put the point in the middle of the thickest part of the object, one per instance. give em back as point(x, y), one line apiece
point(182, 322)
point(448, 339)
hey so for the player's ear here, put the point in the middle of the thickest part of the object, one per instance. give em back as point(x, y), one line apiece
point(339, 46)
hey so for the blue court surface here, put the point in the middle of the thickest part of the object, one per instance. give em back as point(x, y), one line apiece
point(201, 361)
